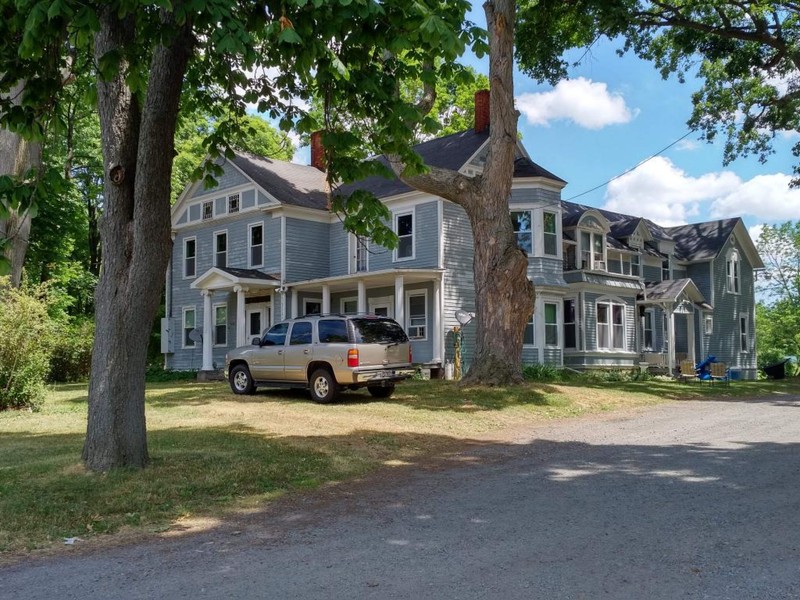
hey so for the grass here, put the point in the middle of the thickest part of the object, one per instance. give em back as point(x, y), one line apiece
point(214, 454)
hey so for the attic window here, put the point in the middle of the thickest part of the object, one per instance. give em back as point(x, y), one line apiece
point(208, 209)
point(233, 203)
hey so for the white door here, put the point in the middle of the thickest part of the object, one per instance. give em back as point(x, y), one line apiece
point(258, 320)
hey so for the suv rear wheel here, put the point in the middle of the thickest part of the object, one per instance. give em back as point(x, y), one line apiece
point(241, 380)
point(381, 391)
point(323, 386)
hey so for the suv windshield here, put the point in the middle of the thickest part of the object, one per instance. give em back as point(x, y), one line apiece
point(378, 331)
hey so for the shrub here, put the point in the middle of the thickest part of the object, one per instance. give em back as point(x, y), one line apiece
point(26, 335)
point(157, 373)
point(72, 351)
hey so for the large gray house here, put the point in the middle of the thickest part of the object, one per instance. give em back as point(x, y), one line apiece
point(613, 291)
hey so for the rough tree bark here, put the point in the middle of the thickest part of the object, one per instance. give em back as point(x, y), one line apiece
point(17, 157)
point(504, 294)
point(138, 145)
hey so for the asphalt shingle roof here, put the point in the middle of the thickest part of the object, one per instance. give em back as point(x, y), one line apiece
point(289, 183)
point(248, 274)
point(702, 241)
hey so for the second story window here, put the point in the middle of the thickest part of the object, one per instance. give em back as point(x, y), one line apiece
point(221, 249)
point(233, 203)
point(358, 253)
point(404, 228)
point(666, 271)
point(189, 257)
point(521, 221)
point(256, 243)
point(550, 234)
point(635, 264)
point(732, 272)
point(593, 251)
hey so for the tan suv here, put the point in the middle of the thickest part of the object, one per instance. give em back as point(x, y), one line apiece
point(324, 354)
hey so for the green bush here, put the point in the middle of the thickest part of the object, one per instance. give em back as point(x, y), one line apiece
point(72, 351)
point(26, 336)
point(157, 373)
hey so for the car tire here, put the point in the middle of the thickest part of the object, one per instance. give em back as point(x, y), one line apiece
point(241, 381)
point(322, 386)
point(381, 391)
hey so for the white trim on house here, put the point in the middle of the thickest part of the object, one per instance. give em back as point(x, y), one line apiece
point(411, 294)
point(345, 300)
point(214, 251)
point(216, 306)
point(396, 215)
point(184, 309)
point(250, 227)
point(387, 302)
point(183, 258)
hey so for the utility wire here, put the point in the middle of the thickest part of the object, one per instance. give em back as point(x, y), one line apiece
point(636, 166)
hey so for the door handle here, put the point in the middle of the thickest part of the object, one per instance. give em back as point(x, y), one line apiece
point(280, 352)
point(306, 351)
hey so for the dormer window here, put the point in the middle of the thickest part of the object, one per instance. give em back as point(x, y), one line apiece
point(593, 246)
point(732, 272)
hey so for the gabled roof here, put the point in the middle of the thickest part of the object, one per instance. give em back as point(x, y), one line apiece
point(670, 291)
point(226, 277)
point(702, 241)
point(289, 183)
point(447, 152)
point(621, 225)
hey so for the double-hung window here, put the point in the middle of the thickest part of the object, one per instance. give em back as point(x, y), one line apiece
point(570, 325)
point(744, 332)
point(404, 228)
point(221, 249)
point(417, 319)
point(732, 271)
point(529, 338)
point(550, 324)
point(256, 245)
point(635, 264)
point(647, 330)
point(188, 327)
point(220, 325)
point(610, 326)
point(666, 270)
point(189, 257)
point(549, 223)
point(521, 221)
point(358, 253)
point(593, 251)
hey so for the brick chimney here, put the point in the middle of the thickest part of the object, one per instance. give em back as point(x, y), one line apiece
point(317, 151)
point(482, 111)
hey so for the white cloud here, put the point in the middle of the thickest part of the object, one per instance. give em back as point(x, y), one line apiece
point(687, 145)
point(587, 103)
point(755, 231)
point(664, 193)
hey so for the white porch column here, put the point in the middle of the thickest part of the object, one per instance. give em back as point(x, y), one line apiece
point(437, 321)
point(671, 340)
point(293, 314)
point(690, 335)
point(400, 305)
point(208, 328)
point(241, 317)
point(326, 299)
point(362, 297)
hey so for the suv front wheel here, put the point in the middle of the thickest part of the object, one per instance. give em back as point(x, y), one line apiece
point(322, 386)
point(241, 381)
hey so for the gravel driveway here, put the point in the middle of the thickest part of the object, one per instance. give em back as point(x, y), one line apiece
point(686, 500)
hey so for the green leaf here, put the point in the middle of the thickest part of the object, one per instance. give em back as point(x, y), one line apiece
point(289, 36)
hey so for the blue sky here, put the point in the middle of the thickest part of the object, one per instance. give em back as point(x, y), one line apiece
point(615, 112)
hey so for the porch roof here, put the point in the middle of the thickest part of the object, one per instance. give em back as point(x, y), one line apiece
point(671, 291)
point(386, 277)
point(217, 278)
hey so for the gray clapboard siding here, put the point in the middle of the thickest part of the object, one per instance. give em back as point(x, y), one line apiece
point(700, 274)
point(651, 273)
point(339, 253)
point(552, 356)
point(231, 177)
point(545, 198)
point(530, 355)
point(307, 247)
point(546, 272)
point(426, 241)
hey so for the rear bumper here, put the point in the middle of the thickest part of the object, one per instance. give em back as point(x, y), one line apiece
point(379, 375)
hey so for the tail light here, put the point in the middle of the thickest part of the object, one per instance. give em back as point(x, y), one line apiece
point(410, 354)
point(352, 357)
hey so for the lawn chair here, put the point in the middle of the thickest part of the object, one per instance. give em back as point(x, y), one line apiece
point(720, 372)
point(688, 372)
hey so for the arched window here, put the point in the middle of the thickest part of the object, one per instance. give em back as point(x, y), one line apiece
point(732, 272)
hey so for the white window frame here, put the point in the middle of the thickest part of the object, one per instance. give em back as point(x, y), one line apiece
point(217, 234)
point(651, 313)
point(668, 270)
point(185, 274)
point(409, 295)
point(215, 307)
point(532, 324)
point(593, 262)
point(387, 301)
point(354, 246)
point(343, 301)
point(733, 273)
point(529, 232)
point(396, 217)
point(708, 324)
point(203, 205)
point(574, 323)
point(638, 263)
point(611, 303)
point(251, 246)
point(557, 343)
point(555, 234)
point(238, 198)
point(186, 309)
point(744, 336)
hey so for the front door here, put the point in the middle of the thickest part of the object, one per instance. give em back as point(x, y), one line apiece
point(257, 320)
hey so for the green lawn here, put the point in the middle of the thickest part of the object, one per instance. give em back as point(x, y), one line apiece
point(214, 453)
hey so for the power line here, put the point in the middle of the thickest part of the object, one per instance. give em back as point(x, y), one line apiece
point(636, 166)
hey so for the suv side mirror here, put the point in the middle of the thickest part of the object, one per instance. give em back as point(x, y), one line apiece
point(256, 341)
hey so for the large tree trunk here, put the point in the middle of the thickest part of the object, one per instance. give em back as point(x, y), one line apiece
point(138, 144)
point(17, 157)
point(504, 294)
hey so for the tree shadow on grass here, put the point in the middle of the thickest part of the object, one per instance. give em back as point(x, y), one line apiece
point(643, 520)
